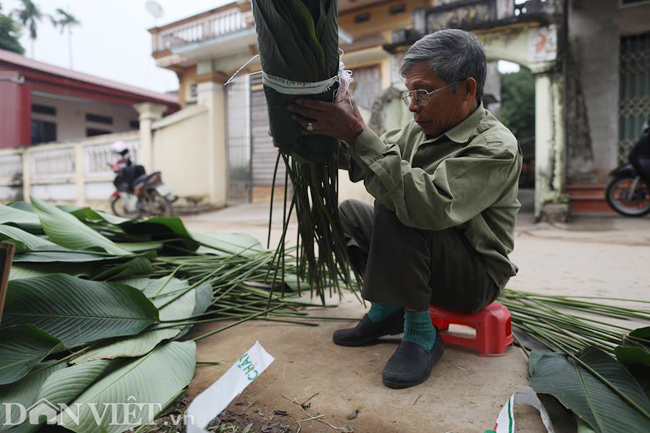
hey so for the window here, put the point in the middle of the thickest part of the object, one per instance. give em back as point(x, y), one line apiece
point(362, 18)
point(366, 86)
point(43, 109)
point(91, 132)
point(397, 9)
point(134, 124)
point(43, 132)
point(96, 118)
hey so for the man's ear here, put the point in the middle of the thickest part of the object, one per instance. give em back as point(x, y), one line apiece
point(470, 87)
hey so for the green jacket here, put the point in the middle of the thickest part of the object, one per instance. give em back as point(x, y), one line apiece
point(467, 178)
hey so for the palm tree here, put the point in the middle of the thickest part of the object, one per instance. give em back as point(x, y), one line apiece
point(9, 34)
point(28, 16)
point(66, 20)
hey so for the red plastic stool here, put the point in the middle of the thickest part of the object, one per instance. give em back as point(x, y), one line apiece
point(493, 327)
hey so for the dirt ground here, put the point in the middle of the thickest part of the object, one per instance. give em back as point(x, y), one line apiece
point(605, 255)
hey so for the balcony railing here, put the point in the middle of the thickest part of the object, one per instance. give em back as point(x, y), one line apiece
point(202, 29)
point(469, 14)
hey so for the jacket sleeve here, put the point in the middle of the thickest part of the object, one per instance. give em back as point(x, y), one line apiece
point(355, 170)
point(459, 189)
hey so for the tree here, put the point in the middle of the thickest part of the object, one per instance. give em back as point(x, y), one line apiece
point(9, 34)
point(65, 20)
point(518, 103)
point(28, 17)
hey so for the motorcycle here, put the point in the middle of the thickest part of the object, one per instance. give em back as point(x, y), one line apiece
point(629, 191)
point(138, 194)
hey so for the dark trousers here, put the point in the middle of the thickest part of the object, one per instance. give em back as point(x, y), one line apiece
point(414, 268)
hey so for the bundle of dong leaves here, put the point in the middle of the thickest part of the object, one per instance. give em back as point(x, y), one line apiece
point(298, 42)
point(100, 308)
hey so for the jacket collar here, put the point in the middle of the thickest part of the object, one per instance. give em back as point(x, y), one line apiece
point(462, 132)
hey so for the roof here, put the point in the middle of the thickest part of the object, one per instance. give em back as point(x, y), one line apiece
point(25, 63)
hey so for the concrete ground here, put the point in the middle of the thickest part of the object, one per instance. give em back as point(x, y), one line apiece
point(605, 256)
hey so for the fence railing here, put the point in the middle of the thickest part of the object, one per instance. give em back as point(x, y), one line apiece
point(77, 170)
point(209, 27)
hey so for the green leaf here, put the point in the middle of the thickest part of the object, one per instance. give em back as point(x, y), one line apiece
point(129, 347)
point(21, 348)
point(161, 229)
point(67, 231)
point(78, 311)
point(25, 220)
point(138, 247)
point(30, 270)
point(25, 392)
point(138, 266)
point(635, 356)
point(87, 214)
point(63, 385)
point(155, 379)
point(204, 299)
point(588, 396)
point(138, 283)
point(24, 241)
point(232, 243)
point(61, 255)
point(163, 290)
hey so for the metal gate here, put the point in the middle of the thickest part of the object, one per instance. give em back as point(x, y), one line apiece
point(239, 141)
point(264, 153)
point(634, 103)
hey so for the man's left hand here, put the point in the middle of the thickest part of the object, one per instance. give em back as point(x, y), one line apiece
point(340, 120)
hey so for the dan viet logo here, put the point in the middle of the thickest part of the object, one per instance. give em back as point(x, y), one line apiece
point(130, 413)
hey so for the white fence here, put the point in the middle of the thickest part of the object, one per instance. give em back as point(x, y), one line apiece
point(76, 171)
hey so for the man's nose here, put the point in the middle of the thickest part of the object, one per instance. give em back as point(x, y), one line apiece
point(414, 107)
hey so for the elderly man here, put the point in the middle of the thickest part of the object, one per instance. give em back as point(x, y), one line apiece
point(445, 189)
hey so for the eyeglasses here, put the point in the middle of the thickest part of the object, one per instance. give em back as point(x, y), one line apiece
point(422, 97)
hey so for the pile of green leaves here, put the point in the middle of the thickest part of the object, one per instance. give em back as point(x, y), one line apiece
point(98, 307)
point(298, 41)
point(595, 367)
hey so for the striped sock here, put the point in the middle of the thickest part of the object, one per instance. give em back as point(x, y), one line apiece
point(419, 329)
point(379, 312)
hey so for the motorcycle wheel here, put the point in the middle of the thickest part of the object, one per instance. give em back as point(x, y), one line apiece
point(119, 209)
point(618, 193)
point(157, 205)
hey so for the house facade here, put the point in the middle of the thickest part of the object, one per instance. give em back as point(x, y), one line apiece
point(608, 92)
point(42, 103)
point(57, 127)
point(588, 59)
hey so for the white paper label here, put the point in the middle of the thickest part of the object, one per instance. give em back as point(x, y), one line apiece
point(211, 402)
point(526, 396)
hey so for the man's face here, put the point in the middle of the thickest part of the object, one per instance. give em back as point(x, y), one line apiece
point(445, 109)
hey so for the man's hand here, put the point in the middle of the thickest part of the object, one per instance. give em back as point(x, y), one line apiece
point(340, 120)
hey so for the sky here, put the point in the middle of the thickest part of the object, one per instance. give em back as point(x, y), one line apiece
point(113, 41)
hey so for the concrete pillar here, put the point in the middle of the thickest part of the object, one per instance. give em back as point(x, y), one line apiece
point(80, 175)
point(550, 198)
point(27, 168)
point(149, 113)
point(212, 95)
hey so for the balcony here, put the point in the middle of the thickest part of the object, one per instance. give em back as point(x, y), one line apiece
point(201, 28)
point(472, 15)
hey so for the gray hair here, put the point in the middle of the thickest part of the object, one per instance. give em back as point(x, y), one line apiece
point(453, 55)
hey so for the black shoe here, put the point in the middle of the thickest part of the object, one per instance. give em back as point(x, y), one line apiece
point(366, 331)
point(411, 365)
